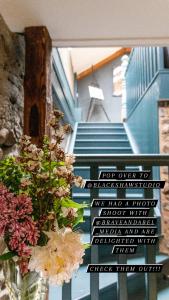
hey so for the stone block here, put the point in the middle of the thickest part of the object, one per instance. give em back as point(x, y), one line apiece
point(12, 59)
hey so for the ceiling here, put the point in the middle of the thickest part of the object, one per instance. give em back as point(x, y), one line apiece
point(93, 22)
point(84, 58)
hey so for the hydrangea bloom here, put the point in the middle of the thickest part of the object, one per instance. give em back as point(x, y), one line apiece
point(60, 257)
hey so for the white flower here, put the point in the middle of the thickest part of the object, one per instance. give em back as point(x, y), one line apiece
point(32, 148)
point(69, 211)
point(69, 159)
point(79, 181)
point(60, 257)
point(25, 182)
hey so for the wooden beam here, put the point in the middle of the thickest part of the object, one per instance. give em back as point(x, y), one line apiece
point(103, 62)
point(37, 87)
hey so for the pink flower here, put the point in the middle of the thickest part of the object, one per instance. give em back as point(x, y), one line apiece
point(16, 223)
point(23, 265)
point(23, 250)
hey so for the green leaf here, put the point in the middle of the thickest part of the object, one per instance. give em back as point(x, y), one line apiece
point(7, 255)
point(43, 239)
point(56, 164)
point(56, 205)
point(86, 246)
point(62, 182)
point(79, 219)
point(61, 163)
point(67, 202)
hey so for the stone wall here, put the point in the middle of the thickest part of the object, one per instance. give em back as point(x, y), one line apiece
point(12, 59)
point(164, 148)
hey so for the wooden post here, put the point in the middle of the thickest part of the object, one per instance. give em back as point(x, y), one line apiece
point(38, 96)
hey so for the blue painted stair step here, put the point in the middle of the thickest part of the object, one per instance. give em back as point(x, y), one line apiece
point(104, 138)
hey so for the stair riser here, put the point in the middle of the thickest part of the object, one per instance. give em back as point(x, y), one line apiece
point(102, 136)
point(100, 130)
point(102, 143)
point(102, 151)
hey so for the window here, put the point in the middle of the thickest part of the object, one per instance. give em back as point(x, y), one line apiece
point(117, 81)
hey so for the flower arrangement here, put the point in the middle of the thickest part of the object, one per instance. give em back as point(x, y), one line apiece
point(38, 216)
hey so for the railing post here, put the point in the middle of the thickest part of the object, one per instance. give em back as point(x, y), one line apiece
point(122, 290)
point(147, 65)
point(135, 83)
point(67, 291)
point(150, 254)
point(139, 68)
point(154, 60)
point(142, 71)
point(160, 58)
point(151, 63)
point(145, 68)
point(94, 277)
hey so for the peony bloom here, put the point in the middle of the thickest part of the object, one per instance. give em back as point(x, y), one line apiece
point(60, 257)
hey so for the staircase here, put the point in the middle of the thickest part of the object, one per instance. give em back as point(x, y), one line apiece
point(100, 138)
point(106, 138)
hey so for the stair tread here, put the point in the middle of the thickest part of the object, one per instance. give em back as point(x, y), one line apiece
point(105, 279)
point(97, 133)
point(119, 123)
point(102, 147)
point(101, 140)
point(101, 128)
point(100, 125)
point(82, 280)
point(163, 294)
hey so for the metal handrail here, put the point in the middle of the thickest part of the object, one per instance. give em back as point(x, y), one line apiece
point(121, 161)
point(132, 159)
